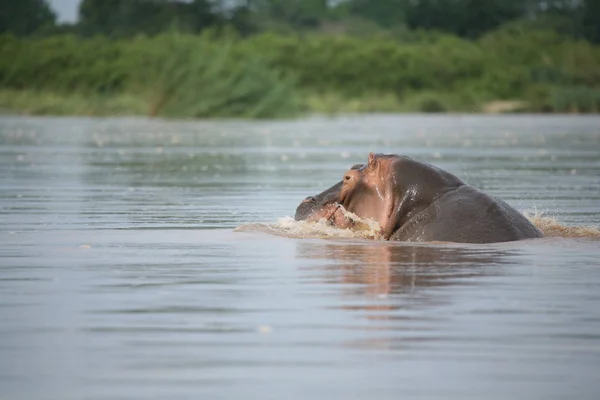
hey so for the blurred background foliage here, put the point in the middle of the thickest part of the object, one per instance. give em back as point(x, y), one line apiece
point(276, 58)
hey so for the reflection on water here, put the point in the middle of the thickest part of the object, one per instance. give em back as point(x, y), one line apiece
point(121, 276)
point(393, 276)
point(387, 268)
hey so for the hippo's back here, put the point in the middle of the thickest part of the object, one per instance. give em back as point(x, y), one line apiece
point(467, 215)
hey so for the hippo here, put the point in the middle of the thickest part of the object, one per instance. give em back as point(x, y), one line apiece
point(417, 202)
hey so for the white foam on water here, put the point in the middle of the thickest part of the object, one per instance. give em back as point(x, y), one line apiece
point(288, 227)
point(370, 229)
point(551, 227)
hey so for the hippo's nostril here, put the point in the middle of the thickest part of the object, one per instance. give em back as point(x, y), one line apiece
point(347, 177)
point(310, 199)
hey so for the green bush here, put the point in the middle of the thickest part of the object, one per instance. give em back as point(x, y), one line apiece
point(52, 103)
point(354, 65)
point(564, 99)
point(218, 74)
point(63, 63)
point(186, 76)
point(579, 99)
point(181, 76)
point(430, 104)
point(545, 56)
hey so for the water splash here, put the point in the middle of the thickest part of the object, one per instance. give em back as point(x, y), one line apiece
point(288, 227)
point(551, 227)
point(370, 229)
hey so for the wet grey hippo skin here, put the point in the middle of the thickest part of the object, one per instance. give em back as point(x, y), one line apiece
point(414, 201)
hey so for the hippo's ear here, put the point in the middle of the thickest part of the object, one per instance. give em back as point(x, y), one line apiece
point(371, 159)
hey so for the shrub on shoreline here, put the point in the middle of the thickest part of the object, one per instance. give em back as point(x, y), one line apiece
point(274, 76)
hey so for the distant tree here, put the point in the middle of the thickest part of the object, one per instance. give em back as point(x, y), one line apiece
point(590, 20)
point(128, 17)
point(243, 19)
point(23, 17)
point(297, 14)
point(467, 18)
point(579, 18)
point(386, 13)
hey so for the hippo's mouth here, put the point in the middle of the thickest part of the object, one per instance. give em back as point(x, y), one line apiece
point(308, 207)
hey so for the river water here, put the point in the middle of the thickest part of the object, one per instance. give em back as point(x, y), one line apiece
point(123, 276)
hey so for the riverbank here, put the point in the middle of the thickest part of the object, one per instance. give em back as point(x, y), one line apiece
point(28, 102)
point(281, 76)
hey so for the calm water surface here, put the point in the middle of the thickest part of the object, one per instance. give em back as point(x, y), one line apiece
point(121, 276)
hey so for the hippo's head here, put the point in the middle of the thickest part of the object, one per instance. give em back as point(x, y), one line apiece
point(389, 189)
point(314, 204)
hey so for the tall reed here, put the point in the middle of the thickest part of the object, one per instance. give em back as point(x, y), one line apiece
point(186, 76)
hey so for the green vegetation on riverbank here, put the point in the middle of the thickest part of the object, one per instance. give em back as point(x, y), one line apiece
point(268, 75)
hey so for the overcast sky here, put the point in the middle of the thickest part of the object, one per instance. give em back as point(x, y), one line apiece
point(66, 10)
